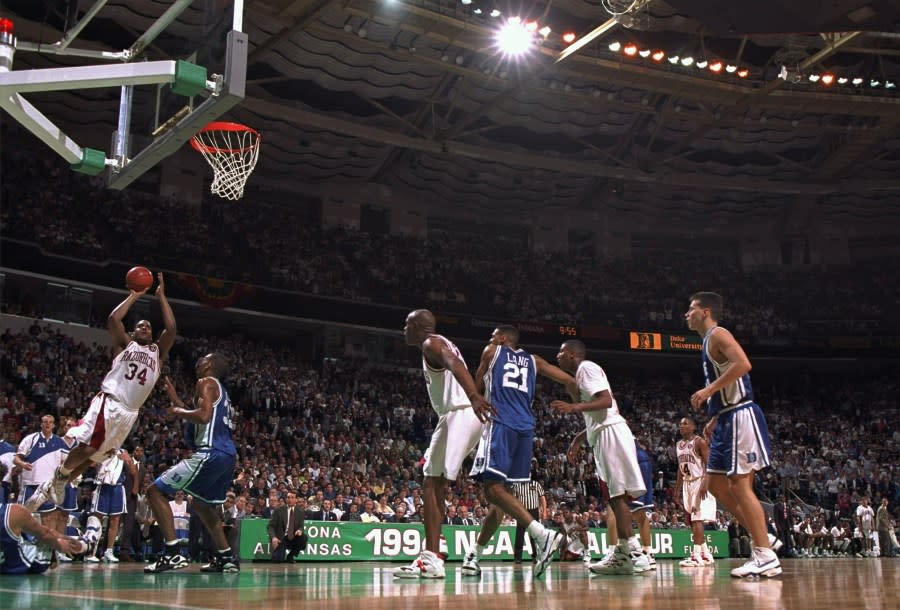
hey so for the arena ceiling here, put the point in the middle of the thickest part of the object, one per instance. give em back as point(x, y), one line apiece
point(413, 94)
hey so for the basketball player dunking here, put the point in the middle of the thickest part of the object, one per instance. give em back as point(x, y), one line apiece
point(136, 366)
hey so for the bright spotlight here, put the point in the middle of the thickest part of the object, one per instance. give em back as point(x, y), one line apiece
point(813, 78)
point(842, 80)
point(702, 64)
point(514, 38)
point(857, 81)
point(716, 66)
point(674, 59)
point(531, 26)
point(743, 73)
point(569, 37)
point(495, 13)
point(630, 49)
point(615, 47)
point(545, 31)
point(687, 61)
point(466, 2)
point(658, 55)
point(644, 52)
point(874, 83)
point(827, 79)
point(731, 69)
point(889, 85)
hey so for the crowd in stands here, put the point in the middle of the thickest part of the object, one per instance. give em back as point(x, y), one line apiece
point(352, 432)
point(270, 244)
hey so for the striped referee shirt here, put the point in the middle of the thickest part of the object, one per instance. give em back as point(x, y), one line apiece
point(529, 494)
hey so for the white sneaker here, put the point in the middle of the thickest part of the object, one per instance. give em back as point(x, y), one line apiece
point(616, 563)
point(640, 561)
point(109, 557)
point(707, 559)
point(775, 543)
point(40, 496)
point(545, 547)
point(63, 558)
point(92, 559)
point(651, 560)
point(470, 565)
point(426, 565)
point(586, 559)
point(694, 561)
point(763, 562)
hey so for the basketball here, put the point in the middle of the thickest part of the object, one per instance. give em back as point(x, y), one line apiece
point(138, 279)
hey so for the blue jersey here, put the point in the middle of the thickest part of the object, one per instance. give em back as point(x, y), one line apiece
point(509, 386)
point(736, 394)
point(217, 433)
point(18, 556)
point(7, 455)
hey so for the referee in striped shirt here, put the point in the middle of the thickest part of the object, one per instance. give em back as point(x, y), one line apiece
point(531, 495)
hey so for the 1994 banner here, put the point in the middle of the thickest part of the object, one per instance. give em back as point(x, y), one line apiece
point(330, 541)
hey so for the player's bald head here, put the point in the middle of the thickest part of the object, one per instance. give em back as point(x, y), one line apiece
point(576, 347)
point(423, 318)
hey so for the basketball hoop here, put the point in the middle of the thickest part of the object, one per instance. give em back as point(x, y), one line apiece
point(232, 150)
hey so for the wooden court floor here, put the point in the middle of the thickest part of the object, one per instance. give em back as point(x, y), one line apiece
point(828, 584)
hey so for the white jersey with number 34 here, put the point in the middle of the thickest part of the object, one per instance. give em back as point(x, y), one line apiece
point(133, 374)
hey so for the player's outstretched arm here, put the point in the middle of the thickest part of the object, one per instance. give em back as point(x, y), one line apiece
point(551, 371)
point(20, 520)
point(437, 351)
point(115, 321)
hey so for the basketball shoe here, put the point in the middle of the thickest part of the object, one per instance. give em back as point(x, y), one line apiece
point(619, 562)
point(166, 563)
point(40, 496)
point(763, 562)
point(221, 563)
point(546, 546)
point(470, 565)
point(694, 561)
point(426, 565)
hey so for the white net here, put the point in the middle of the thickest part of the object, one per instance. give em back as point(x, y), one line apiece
point(232, 151)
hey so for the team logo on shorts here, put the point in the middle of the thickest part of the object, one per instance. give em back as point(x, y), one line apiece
point(479, 462)
point(751, 457)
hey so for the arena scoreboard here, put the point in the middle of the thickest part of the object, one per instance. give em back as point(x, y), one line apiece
point(661, 342)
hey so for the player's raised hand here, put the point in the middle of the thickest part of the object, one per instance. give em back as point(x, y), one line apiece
point(160, 286)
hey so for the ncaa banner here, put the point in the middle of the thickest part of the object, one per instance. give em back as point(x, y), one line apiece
point(339, 541)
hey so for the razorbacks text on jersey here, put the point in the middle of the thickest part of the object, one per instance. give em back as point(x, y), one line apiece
point(216, 434)
point(736, 394)
point(509, 386)
point(688, 460)
point(133, 374)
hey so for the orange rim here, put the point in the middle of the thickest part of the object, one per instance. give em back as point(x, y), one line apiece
point(223, 126)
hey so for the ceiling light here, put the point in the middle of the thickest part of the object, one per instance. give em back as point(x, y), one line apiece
point(531, 26)
point(842, 80)
point(545, 31)
point(674, 59)
point(827, 79)
point(743, 73)
point(569, 37)
point(495, 13)
point(644, 52)
point(513, 38)
point(477, 11)
point(813, 78)
point(702, 64)
point(889, 85)
point(658, 55)
point(466, 2)
point(716, 66)
point(687, 61)
point(615, 47)
point(874, 83)
point(731, 69)
point(857, 81)
point(630, 49)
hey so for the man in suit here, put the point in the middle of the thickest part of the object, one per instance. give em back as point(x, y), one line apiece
point(286, 530)
point(784, 522)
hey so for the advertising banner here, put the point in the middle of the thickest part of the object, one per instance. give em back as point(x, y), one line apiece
point(330, 541)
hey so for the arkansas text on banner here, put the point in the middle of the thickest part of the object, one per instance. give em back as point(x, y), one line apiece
point(330, 541)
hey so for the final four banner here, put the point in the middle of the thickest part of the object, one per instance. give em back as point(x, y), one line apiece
point(330, 541)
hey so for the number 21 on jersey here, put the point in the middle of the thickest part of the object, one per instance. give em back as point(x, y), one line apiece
point(512, 374)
